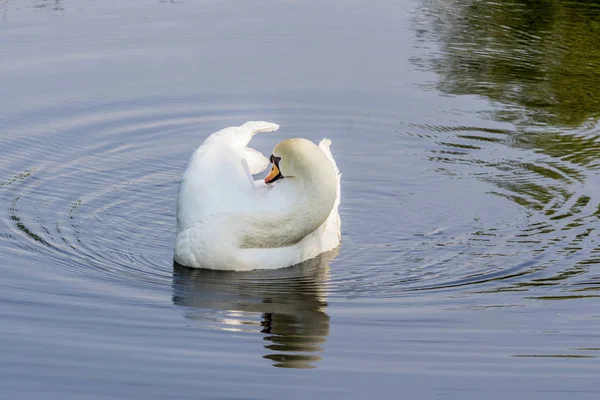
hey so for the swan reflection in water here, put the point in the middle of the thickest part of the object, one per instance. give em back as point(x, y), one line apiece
point(287, 306)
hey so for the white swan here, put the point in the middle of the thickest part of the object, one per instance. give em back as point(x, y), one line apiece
point(228, 221)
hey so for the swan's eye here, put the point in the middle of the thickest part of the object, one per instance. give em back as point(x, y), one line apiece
point(275, 160)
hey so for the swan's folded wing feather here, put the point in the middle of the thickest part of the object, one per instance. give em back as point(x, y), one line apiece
point(239, 136)
point(254, 127)
point(257, 162)
point(216, 180)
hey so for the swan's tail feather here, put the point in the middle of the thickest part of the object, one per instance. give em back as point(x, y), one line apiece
point(324, 145)
point(333, 225)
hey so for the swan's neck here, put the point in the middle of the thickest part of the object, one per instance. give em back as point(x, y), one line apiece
point(287, 226)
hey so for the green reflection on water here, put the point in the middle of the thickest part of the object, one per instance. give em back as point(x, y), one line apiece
point(540, 55)
point(538, 62)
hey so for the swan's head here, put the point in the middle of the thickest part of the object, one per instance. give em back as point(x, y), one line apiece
point(299, 158)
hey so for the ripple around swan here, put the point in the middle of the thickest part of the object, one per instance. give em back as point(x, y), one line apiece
point(99, 199)
point(467, 135)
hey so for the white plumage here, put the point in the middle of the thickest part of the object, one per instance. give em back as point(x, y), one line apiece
point(226, 220)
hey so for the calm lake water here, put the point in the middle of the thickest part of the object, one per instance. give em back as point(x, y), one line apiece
point(468, 137)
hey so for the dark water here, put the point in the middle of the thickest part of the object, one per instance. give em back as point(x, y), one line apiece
point(468, 137)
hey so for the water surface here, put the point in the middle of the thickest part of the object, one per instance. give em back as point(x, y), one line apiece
point(467, 133)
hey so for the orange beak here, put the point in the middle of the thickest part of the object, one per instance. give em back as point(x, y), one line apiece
point(273, 175)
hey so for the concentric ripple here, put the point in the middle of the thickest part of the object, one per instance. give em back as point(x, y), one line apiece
point(96, 193)
point(468, 137)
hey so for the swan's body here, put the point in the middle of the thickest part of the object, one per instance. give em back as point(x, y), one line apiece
point(228, 221)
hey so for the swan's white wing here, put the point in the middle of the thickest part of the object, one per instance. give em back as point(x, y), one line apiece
point(218, 177)
point(238, 137)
